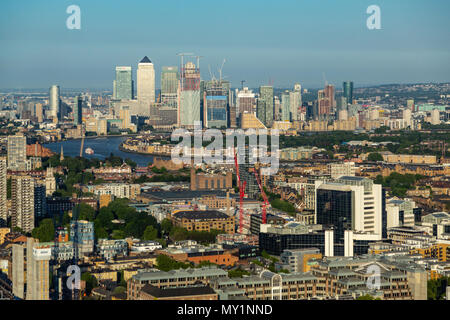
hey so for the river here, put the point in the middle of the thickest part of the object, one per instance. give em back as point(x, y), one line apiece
point(102, 146)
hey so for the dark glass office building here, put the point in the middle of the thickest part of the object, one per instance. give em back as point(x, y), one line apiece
point(348, 91)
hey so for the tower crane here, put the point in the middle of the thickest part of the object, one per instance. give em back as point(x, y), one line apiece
point(265, 200)
point(241, 193)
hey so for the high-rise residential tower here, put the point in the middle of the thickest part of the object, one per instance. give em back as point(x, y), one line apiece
point(54, 102)
point(285, 106)
point(295, 99)
point(266, 95)
point(22, 206)
point(123, 85)
point(17, 153)
point(146, 81)
point(3, 192)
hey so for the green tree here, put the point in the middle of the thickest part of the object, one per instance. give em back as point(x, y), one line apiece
point(166, 263)
point(375, 156)
point(150, 233)
point(238, 273)
point(85, 212)
point(100, 233)
point(118, 234)
point(166, 226)
point(45, 232)
point(91, 282)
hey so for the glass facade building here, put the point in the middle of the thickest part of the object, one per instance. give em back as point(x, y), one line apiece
point(169, 86)
point(78, 111)
point(348, 91)
point(266, 95)
point(123, 85)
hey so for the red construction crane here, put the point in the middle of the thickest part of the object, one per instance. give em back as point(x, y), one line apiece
point(241, 193)
point(266, 201)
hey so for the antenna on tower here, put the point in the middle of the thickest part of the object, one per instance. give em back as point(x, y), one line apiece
point(242, 84)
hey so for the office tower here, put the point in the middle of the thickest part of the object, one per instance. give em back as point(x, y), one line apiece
point(17, 153)
point(215, 104)
point(50, 182)
point(38, 112)
point(22, 203)
point(123, 85)
point(350, 203)
point(266, 95)
point(82, 233)
point(54, 103)
point(169, 86)
point(295, 98)
point(189, 97)
point(3, 193)
point(245, 101)
point(40, 201)
point(285, 106)
point(146, 81)
point(78, 111)
point(348, 91)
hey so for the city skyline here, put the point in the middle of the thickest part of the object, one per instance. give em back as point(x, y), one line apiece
point(273, 44)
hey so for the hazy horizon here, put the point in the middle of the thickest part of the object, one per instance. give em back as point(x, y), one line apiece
point(279, 42)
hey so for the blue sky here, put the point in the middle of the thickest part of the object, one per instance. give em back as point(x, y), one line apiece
point(284, 41)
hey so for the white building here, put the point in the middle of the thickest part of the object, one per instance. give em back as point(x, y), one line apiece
point(400, 213)
point(146, 81)
point(54, 102)
point(359, 201)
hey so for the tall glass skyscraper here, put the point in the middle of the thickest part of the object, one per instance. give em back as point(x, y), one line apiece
point(348, 91)
point(78, 111)
point(169, 86)
point(123, 85)
point(285, 106)
point(266, 95)
point(189, 107)
point(215, 104)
